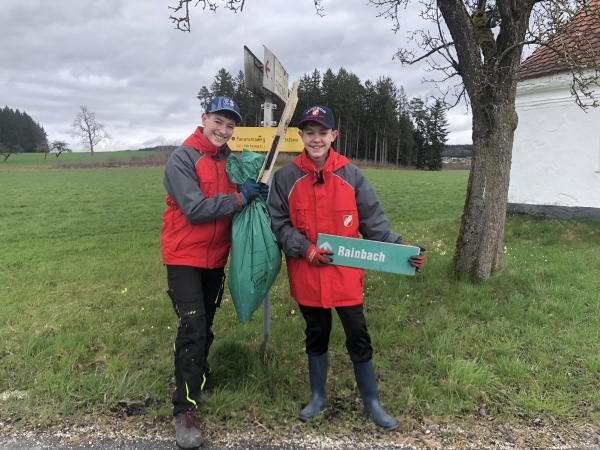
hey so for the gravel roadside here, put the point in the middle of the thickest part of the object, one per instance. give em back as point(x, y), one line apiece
point(159, 436)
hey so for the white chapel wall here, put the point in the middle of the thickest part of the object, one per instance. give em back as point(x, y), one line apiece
point(556, 154)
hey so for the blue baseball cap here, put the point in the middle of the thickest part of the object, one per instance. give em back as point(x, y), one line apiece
point(319, 114)
point(224, 104)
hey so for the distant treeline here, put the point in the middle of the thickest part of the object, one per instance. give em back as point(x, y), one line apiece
point(458, 151)
point(375, 120)
point(159, 148)
point(19, 132)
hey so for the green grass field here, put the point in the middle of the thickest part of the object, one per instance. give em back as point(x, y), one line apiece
point(30, 160)
point(85, 322)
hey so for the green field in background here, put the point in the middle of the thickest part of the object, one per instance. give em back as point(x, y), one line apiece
point(21, 160)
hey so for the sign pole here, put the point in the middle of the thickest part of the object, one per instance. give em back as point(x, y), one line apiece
point(267, 122)
point(265, 80)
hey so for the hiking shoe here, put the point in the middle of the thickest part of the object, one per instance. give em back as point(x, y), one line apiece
point(187, 430)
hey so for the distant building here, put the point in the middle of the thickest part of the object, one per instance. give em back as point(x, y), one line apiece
point(556, 154)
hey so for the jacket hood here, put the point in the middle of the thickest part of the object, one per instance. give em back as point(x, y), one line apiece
point(334, 162)
point(203, 145)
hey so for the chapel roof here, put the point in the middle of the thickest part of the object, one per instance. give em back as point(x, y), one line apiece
point(584, 36)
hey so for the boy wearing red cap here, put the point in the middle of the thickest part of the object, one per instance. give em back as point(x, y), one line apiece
point(321, 191)
point(195, 242)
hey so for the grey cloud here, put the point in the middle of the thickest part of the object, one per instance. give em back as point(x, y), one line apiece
point(127, 63)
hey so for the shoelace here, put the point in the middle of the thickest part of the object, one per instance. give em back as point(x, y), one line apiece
point(191, 420)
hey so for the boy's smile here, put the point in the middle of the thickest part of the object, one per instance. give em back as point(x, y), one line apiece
point(217, 129)
point(317, 141)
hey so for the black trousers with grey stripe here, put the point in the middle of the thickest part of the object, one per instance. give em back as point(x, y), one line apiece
point(196, 294)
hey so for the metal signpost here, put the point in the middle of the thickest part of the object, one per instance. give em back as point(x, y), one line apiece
point(275, 79)
point(253, 73)
point(266, 80)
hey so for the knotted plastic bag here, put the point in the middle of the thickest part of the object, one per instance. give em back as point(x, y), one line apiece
point(255, 258)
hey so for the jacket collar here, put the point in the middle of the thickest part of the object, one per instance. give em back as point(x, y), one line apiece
point(334, 162)
point(203, 145)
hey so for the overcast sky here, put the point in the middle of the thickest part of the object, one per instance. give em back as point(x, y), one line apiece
point(125, 61)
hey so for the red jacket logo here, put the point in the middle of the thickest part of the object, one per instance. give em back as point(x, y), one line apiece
point(347, 221)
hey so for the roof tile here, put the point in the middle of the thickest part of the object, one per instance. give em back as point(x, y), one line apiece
point(581, 49)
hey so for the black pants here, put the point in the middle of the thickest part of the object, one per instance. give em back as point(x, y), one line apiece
point(196, 294)
point(318, 330)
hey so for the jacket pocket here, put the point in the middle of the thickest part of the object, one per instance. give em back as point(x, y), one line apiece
point(301, 219)
point(346, 222)
point(208, 186)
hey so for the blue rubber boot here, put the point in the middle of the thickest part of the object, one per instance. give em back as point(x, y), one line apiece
point(367, 385)
point(317, 371)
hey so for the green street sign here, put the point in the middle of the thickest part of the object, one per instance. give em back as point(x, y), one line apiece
point(372, 255)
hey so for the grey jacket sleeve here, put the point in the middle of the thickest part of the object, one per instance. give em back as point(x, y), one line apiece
point(181, 183)
point(373, 223)
point(290, 239)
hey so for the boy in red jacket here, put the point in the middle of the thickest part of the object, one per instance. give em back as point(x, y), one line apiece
point(195, 240)
point(321, 191)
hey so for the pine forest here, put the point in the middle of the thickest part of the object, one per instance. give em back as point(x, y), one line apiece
point(19, 132)
point(376, 121)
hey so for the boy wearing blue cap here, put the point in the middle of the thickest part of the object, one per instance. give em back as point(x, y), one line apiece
point(321, 191)
point(195, 240)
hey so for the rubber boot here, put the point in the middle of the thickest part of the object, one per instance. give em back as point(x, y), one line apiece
point(317, 371)
point(367, 385)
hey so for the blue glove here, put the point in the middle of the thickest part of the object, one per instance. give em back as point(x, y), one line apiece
point(248, 191)
point(264, 191)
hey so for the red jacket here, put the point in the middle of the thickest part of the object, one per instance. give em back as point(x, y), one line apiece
point(339, 200)
point(196, 226)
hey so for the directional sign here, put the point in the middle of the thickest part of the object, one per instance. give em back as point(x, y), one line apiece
point(275, 79)
point(373, 255)
point(253, 73)
point(258, 139)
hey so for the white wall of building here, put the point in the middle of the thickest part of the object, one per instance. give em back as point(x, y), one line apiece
point(556, 153)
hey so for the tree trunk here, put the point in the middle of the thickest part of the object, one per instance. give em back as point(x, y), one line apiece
point(346, 140)
point(376, 142)
point(357, 139)
point(91, 145)
point(337, 141)
point(385, 150)
point(491, 86)
point(479, 244)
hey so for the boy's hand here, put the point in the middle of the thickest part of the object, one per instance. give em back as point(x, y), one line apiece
point(248, 191)
point(416, 260)
point(318, 256)
point(264, 191)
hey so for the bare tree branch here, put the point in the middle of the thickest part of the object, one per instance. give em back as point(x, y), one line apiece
point(89, 131)
point(403, 59)
point(59, 147)
point(182, 20)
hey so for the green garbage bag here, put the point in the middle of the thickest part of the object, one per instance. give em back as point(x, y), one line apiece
point(255, 257)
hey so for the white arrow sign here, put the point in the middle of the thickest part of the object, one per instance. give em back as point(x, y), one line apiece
point(325, 246)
